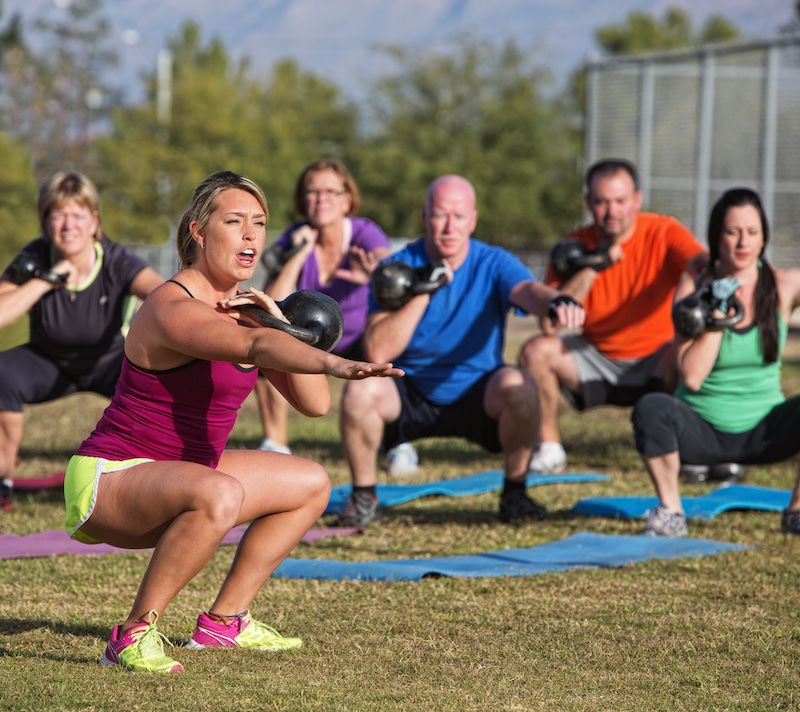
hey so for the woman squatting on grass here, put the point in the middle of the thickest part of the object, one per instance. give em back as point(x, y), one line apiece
point(155, 471)
point(729, 405)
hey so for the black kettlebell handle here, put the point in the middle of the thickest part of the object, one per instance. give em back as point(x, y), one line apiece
point(730, 320)
point(570, 256)
point(314, 318)
point(263, 318)
point(26, 266)
point(693, 315)
point(276, 256)
point(597, 260)
point(429, 278)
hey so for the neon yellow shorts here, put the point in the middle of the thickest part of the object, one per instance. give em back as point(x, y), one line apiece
point(80, 489)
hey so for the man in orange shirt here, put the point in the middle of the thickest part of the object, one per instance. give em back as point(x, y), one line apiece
point(625, 349)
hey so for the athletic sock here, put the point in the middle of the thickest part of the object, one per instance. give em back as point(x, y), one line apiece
point(369, 489)
point(513, 486)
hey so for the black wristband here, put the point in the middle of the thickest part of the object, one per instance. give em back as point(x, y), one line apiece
point(558, 301)
point(58, 280)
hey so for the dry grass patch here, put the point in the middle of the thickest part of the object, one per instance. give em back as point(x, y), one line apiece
point(712, 633)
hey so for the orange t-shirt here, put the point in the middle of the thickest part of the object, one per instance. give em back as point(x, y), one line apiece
point(629, 308)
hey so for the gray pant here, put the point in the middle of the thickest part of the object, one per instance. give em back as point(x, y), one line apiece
point(608, 381)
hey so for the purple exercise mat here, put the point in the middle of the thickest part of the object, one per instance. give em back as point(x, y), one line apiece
point(56, 542)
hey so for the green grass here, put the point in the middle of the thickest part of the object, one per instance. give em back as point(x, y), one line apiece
point(712, 633)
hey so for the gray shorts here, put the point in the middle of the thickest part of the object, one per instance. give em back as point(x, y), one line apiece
point(608, 381)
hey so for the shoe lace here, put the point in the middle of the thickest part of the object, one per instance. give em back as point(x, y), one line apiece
point(668, 520)
point(264, 629)
point(360, 503)
point(151, 642)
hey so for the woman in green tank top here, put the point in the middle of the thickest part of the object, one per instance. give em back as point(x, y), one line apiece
point(729, 405)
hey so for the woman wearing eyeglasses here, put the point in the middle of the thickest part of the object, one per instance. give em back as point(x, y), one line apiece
point(336, 254)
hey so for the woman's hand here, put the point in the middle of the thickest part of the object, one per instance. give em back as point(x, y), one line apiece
point(307, 234)
point(361, 265)
point(253, 296)
point(359, 370)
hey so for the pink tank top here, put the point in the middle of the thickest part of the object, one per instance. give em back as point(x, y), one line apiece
point(186, 413)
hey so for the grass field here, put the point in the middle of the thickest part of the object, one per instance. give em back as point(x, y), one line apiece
point(713, 633)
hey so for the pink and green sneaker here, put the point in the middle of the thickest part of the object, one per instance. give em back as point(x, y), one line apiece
point(140, 649)
point(242, 632)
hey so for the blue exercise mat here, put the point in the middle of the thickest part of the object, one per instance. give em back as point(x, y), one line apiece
point(581, 550)
point(480, 483)
point(706, 506)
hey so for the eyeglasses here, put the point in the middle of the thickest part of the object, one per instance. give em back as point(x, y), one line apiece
point(61, 217)
point(326, 192)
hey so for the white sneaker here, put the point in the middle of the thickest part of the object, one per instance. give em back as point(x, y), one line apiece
point(549, 458)
point(402, 461)
point(269, 445)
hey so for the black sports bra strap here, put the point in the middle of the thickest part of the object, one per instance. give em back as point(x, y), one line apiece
point(175, 281)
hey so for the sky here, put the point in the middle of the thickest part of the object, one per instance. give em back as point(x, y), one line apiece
point(336, 39)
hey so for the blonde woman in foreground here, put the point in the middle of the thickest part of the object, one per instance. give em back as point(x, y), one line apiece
point(155, 471)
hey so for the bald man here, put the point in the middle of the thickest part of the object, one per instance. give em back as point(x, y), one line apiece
point(450, 343)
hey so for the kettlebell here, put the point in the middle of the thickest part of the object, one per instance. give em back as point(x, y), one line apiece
point(314, 318)
point(394, 282)
point(276, 256)
point(693, 315)
point(570, 256)
point(26, 266)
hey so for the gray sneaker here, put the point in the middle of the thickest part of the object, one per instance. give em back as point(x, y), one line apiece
point(362, 510)
point(790, 521)
point(665, 522)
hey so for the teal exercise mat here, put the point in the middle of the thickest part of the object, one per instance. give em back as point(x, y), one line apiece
point(490, 481)
point(706, 506)
point(579, 551)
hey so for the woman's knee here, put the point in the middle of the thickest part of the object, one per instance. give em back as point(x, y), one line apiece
point(223, 502)
point(651, 414)
point(320, 484)
point(651, 407)
point(311, 488)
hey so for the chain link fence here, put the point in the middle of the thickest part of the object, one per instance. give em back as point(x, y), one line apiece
point(697, 122)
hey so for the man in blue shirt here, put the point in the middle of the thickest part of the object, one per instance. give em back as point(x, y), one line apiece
point(450, 344)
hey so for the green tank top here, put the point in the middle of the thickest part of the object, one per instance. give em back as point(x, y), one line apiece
point(741, 389)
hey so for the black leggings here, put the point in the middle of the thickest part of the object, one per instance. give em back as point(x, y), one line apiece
point(663, 424)
point(28, 376)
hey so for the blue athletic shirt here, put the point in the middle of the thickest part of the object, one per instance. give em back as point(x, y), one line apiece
point(462, 333)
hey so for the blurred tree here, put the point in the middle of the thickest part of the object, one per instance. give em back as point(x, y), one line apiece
point(222, 117)
point(641, 32)
point(794, 23)
point(11, 34)
point(302, 118)
point(18, 223)
point(56, 99)
point(476, 110)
